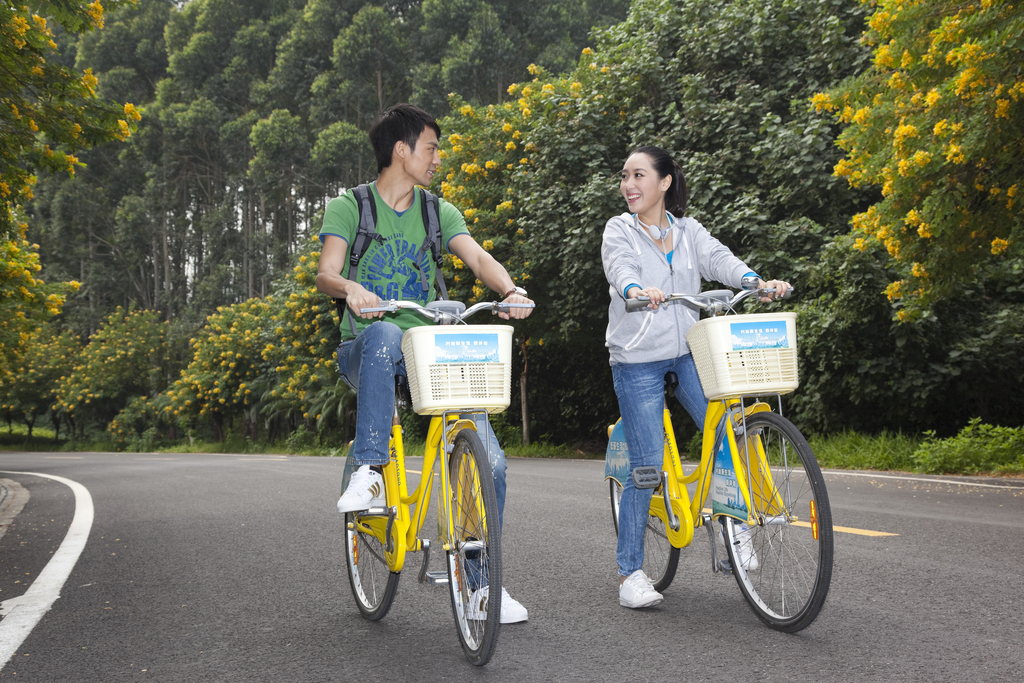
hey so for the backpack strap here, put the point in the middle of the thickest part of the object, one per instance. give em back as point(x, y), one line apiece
point(365, 233)
point(431, 208)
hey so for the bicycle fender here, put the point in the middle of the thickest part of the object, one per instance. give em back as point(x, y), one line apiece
point(616, 456)
point(452, 429)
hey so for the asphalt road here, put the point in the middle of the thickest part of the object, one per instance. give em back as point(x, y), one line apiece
point(230, 568)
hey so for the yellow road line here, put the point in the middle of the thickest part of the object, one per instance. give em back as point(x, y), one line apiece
point(843, 529)
point(851, 530)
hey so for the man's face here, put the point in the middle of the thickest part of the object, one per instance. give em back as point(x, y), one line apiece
point(421, 163)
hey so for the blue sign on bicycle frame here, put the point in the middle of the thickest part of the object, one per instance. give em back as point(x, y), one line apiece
point(472, 347)
point(726, 497)
point(769, 334)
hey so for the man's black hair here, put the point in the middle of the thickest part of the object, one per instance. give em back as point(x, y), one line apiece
point(402, 122)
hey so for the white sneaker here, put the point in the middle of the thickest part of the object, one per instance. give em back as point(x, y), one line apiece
point(636, 591)
point(748, 557)
point(365, 490)
point(512, 611)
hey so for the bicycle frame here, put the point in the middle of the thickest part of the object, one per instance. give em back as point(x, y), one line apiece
point(400, 523)
point(674, 506)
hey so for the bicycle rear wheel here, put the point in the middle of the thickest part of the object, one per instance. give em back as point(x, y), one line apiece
point(373, 585)
point(661, 558)
point(783, 564)
point(474, 554)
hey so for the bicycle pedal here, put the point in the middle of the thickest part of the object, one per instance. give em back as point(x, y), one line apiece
point(436, 578)
point(725, 567)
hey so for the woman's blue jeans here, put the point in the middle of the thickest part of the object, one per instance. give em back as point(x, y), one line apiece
point(640, 388)
point(369, 364)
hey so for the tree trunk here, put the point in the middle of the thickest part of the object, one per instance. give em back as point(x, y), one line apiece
point(522, 398)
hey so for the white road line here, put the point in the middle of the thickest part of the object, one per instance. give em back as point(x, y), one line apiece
point(21, 614)
point(931, 481)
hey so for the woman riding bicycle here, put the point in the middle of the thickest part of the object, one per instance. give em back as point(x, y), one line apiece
point(651, 251)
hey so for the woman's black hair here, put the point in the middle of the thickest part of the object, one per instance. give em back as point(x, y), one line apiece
point(676, 196)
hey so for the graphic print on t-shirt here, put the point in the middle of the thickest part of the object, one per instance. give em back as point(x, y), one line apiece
point(390, 272)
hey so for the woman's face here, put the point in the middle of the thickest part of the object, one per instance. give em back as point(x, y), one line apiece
point(643, 189)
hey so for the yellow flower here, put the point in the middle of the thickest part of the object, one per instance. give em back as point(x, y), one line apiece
point(1003, 109)
point(932, 97)
point(510, 146)
point(488, 245)
point(822, 102)
point(999, 245)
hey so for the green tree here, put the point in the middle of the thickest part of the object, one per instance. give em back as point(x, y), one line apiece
point(128, 356)
point(937, 123)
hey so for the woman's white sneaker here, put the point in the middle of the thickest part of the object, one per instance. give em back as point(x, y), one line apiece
point(365, 490)
point(512, 611)
point(636, 591)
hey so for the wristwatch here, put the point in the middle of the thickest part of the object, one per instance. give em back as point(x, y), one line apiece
point(515, 290)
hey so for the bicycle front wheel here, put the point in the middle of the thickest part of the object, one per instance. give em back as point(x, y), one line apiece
point(661, 558)
point(474, 552)
point(373, 585)
point(783, 563)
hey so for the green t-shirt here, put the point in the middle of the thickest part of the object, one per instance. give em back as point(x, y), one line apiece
point(387, 269)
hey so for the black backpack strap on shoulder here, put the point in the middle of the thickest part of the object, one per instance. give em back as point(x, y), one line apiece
point(365, 233)
point(431, 208)
point(367, 230)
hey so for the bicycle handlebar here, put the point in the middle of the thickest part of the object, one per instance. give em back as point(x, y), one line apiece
point(714, 302)
point(446, 317)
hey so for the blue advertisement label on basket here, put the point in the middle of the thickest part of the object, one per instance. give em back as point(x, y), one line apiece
point(616, 456)
point(726, 498)
point(474, 347)
point(770, 334)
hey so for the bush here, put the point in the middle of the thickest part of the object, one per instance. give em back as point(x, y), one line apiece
point(977, 448)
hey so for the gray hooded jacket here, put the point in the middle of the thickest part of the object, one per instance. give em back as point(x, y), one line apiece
point(630, 256)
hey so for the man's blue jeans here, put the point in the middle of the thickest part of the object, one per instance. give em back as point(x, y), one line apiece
point(369, 364)
point(640, 389)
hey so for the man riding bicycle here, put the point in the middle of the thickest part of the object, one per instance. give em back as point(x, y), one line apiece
point(395, 264)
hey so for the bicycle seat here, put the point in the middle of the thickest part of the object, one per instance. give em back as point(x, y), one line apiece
point(448, 306)
point(671, 382)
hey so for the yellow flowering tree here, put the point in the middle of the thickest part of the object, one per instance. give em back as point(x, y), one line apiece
point(26, 301)
point(223, 379)
point(29, 391)
point(48, 112)
point(484, 153)
point(304, 386)
point(937, 123)
point(128, 356)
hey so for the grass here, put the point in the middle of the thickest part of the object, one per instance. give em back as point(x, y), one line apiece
point(854, 451)
point(847, 450)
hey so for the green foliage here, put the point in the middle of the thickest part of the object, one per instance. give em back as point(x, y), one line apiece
point(127, 357)
point(49, 112)
point(977, 448)
point(143, 425)
point(892, 451)
point(717, 85)
point(938, 124)
point(29, 389)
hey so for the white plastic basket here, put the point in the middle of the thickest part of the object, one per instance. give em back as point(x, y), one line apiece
point(459, 366)
point(745, 354)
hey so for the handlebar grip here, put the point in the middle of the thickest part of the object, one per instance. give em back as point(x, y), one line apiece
point(376, 309)
point(637, 303)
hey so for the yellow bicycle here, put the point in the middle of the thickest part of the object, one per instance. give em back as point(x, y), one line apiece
point(763, 481)
point(455, 372)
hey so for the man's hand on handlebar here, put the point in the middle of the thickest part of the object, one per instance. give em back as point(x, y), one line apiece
point(517, 313)
point(358, 298)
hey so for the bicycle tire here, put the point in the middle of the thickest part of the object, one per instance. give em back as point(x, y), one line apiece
point(661, 558)
point(373, 584)
point(474, 551)
point(786, 585)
